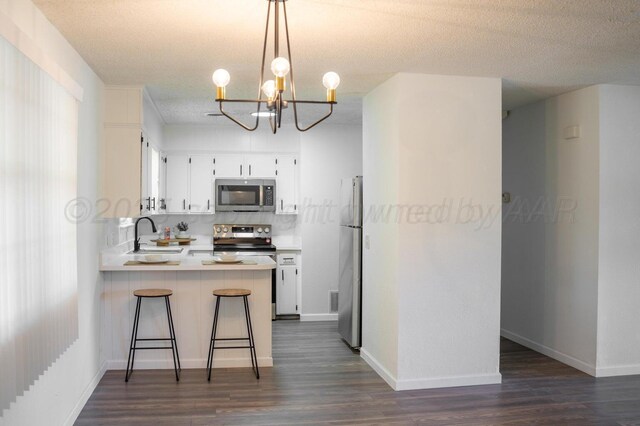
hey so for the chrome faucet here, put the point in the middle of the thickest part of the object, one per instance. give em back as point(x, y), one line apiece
point(136, 241)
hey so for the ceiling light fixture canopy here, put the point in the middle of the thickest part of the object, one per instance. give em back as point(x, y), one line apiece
point(271, 102)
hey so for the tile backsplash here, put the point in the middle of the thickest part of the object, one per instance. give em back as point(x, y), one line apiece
point(121, 230)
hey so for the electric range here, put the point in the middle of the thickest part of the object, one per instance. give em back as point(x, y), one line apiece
point(247, 240)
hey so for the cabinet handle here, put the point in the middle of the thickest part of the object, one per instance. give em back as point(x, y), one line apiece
point(148, 203)
point(282, 276)
point(249, 169)
point(240, 169)
point(184, 204)
point(208, 204)
point(281, 205)
point(153, 206)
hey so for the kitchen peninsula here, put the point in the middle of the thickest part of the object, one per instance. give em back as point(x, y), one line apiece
point(192, 304)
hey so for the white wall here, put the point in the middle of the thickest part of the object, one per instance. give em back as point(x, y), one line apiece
point(523, 233)
point(619, 250)
point(228, 137)
point(328, 153)
point(381, 120)
point(428, 139)
point(57, 396)
point(550, 255)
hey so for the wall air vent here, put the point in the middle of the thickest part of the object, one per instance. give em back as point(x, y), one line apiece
point(333, 301)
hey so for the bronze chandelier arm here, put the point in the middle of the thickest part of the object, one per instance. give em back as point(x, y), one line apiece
point(251, 129)
point(295, 114)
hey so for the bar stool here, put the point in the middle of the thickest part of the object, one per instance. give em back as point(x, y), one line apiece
point(153, 293)
point(233, 292)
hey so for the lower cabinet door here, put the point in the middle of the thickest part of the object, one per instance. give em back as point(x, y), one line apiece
point(286, 291)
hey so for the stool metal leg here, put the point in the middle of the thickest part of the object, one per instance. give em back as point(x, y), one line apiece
point(252, 343)
point(174, 344)
point(213, 339)
point(134, 338)
point(174, 334)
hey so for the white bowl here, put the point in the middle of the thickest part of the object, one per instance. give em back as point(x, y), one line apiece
point(153, 258)
point(228, 257)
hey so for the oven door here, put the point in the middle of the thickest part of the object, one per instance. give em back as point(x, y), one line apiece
point(238, 195)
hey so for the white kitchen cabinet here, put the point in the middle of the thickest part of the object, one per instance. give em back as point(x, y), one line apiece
point(245, 166)
point(154, 181)
point(287, 285)
point(201, 184)
point(260, 166)
point(229, 166)
point(145, 198)
point(177, 183)
point(131, 170)
point(287, 184)
point(149, 177)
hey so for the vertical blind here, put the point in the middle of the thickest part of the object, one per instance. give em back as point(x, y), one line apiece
point(38, 271)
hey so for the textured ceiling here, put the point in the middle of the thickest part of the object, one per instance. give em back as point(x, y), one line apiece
point(539, 47)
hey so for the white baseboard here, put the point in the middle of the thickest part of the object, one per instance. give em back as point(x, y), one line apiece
point(429, 382)
point(450, 381)
point(73, 416)
point(162, 364)
point(550, 352)
point(618, 370)
point(318, 317)
point(378, 368)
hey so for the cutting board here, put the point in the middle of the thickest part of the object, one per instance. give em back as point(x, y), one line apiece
point(180, 241)
point(137, 263)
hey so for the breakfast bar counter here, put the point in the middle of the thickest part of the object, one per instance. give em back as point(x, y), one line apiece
point(192, 304)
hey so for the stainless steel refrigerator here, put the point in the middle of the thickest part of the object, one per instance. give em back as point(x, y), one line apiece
point(350, 279)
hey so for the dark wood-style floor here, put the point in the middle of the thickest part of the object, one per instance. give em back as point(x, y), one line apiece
point(318, 380)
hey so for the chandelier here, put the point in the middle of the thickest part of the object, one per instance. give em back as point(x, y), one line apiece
point(271, 100)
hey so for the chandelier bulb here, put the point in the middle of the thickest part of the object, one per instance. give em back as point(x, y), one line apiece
point(331, 80)
point(280, 66)
point(221, 77)
point(269, 89)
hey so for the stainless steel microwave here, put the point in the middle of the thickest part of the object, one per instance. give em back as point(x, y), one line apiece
point(245, 195)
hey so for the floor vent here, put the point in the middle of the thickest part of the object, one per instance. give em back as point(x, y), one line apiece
point(333, 301)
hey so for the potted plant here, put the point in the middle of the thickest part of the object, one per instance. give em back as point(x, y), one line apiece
point(182, 228)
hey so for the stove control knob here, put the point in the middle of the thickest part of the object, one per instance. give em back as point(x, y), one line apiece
point(218, 229)
point(225, 229)
point(259, 230)
point(267, 230)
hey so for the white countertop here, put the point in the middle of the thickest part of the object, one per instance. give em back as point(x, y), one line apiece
point(287, 243)
point(113, 259)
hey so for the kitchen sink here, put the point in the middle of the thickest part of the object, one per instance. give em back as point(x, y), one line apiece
point(158, 251)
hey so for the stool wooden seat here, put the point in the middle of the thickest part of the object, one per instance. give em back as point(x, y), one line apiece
point(231, 292)
point(153, 293)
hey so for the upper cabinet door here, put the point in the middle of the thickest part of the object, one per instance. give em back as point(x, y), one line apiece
point(260, 166)
point(155, 168)
point(177, 185)
point(145, 198)
point(201, 175)
point(229, 166)
point(287, 185)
